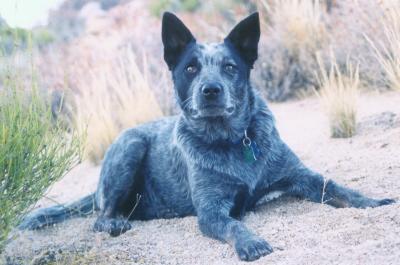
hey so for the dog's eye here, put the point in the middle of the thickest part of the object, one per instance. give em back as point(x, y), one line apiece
point(230, 68)
point(191, 69)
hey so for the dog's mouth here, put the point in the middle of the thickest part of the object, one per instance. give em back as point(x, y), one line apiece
point(212, 111)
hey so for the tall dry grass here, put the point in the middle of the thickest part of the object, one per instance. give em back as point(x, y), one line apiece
point(339, 90)
point(114, 97)
point(300, 23)
point(295, 32)
point(387, 50)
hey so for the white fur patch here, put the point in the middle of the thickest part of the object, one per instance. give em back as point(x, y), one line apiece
point(271, 196)
point(211, 48)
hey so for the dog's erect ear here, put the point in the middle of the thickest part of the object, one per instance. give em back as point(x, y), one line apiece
point(175, 37)
point(245, 36)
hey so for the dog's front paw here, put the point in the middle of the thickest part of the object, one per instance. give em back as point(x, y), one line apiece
point(113, 226)
point(252, 248)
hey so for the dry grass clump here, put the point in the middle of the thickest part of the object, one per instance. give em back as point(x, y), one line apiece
point(295, 32)
point(114, 97)
point(339, 93)
point(300, 23)
point(387, 50)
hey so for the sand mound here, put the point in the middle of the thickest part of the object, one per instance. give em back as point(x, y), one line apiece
point(301, 232)
point(378, 122)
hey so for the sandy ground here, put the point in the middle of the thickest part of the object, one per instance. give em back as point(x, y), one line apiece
point(301, 232)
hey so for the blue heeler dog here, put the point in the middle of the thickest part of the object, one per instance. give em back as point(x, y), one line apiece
point(216, 160)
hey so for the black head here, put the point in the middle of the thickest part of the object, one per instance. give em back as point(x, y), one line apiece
point(211, 80)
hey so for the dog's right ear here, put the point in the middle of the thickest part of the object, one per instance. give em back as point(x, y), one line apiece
point(175, 37)
point(245, 37)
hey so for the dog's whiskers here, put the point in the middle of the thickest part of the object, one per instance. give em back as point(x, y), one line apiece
point(187, 102)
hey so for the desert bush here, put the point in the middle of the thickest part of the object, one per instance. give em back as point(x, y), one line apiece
point(114, 97)
point(339, 92)
point(12, 39)
point(18, 39)
point(157, 7)
point(387, 49)
point(34, 150)
point(295, 31)
point(349, 23)
point(42, 37)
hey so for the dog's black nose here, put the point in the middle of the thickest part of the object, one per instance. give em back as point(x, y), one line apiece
point(211, 90)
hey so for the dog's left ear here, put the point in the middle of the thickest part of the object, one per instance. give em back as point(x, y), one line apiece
point(245, 36)
point(175, 37)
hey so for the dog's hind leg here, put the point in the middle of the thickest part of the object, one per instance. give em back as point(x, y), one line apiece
point(313, 186)
point(119, 181)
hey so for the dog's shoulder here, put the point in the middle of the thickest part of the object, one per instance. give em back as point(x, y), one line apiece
point(145, 136)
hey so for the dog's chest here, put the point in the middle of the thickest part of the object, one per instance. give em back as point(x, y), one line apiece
point(228, 164)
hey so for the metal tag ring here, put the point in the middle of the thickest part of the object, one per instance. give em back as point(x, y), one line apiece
point(246, 141)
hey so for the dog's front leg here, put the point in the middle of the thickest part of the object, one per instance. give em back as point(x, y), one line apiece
point(213, 205)
point(215, 222)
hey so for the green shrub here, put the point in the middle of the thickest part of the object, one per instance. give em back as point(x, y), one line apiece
point(42, 37)
point(189, 5)
point(159, 6)
point(34, 150)
point(12, 39)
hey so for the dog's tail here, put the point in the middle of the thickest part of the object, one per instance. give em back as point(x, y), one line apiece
point(57, 214)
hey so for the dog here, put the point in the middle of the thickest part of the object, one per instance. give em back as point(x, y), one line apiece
point(215, 160)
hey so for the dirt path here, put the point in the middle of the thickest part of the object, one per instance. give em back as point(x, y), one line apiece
point(301, 232)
